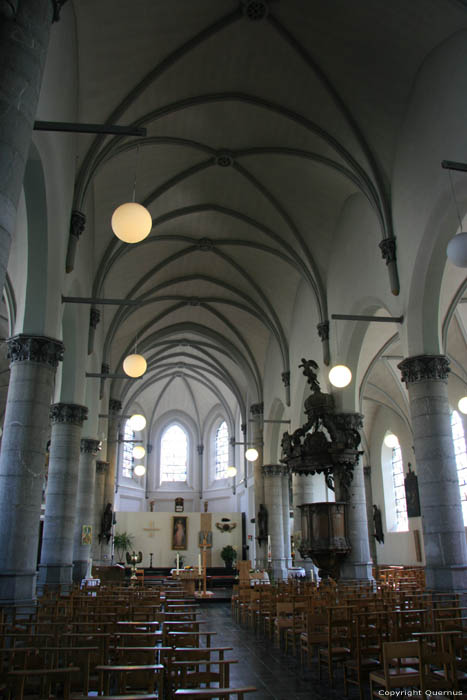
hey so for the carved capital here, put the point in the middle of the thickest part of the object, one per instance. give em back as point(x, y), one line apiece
point(232, 442)
point(31, 348)
point(101, 467)
point(8, 8)
point(243, 428)
point(94, 317)
point(388, 250)
point(77, 223)
point(70, 413)
point(89, 446)
point(149, 448)
point(200, 449)
point(424, 368)
point(255, 10)
point(57, 5)
point(367, 470)
point(272, 469)
point(285, 378)
point(115, 406)
point(105, 368)
point(257, 409)
point(323, 330)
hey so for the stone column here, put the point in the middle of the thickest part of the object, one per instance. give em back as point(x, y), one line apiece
point(60, 505)
point(200, 450)
point(84, 507)
point(115, 407)
point(98, 507)
point(443, 527)
point(22, 461)
point(357, 564)
point(273, 500)
point(257, 435)
point(24, 38)
point(302, 492)
point(369, 512)
point(286, 516)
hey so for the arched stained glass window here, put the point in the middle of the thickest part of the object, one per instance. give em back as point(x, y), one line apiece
point(458, 439)
point(174, 454)
point(402, 521)
point(128, 459)
point(222, 451)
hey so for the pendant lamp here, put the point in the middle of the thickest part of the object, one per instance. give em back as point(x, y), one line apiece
point(231, 471)
point(340, 376)
point(131, 222)
point(462, 405)
point(391, 440)
point(137, 422)
point(134, 365)
point(138, 452)
point(251, 454)
point(140, 470)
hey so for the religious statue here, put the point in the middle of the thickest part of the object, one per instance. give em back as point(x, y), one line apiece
point(378, 523)
point(262, 523)
point(309, 371)
point(106, 524)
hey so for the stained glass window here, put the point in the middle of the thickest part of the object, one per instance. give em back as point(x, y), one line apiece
point(222, 451)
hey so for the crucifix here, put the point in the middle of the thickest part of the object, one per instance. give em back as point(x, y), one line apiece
point(204, 546)
point(151, 529)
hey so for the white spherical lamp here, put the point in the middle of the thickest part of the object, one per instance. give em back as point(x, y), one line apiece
point(391, 440)
point(457, 249)
point(140, 470)
point(462, 405)
point(131, 222)
point(134, 365)
point(251, 454)
point(340, 376)
point(138, 452)
point(137, 422)
point(231, 471)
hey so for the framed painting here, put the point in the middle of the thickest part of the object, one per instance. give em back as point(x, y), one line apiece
point(86, 534)
point(179, 532)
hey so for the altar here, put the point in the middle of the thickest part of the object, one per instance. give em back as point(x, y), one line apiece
point(188, 579)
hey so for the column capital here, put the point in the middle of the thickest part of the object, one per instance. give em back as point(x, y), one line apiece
point(90, 446)
point(200, 449)
point(388, 249)
point(149, 448)
point(273, 470)
point(77, 223)
point(257, 409)
point(243, 428)
point(115, 406)
point(70, 413)
point(285, 378)
point(424, 368)
point(323, 330)
point(94, 318)
point(57, 5)
point(101, 466)
point(35, 348)
point(367, 470)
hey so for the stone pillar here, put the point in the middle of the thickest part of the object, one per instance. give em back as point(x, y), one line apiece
point(85, 507)
point(369, 512)
point(443, 527)
point(98, 507)
point(24, 38)
point(257, 435)
point(200, 450)
point(357, 564)
point(115, 407)
point(60, 506)
point(273, 500)
point(22, 461)
point(302, 492)
point(286, 516)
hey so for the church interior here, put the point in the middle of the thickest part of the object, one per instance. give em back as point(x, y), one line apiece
point(234, 314)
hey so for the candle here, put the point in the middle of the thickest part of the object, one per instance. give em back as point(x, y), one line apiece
point(178, 562)
point(199, 563)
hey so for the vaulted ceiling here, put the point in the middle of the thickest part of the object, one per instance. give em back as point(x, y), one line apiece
point(262, 119)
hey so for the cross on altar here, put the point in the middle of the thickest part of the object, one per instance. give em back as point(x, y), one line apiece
point(204, 546)
point(151, 529)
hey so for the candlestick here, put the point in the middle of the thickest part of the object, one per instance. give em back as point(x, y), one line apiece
point(178, 562)
point(199, 563)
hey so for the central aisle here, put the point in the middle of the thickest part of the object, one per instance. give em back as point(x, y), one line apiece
point(276, 676)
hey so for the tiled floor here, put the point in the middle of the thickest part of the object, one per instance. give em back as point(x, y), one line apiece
point(276, 676)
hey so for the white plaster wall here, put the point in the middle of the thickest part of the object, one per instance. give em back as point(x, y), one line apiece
point(160, 542)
